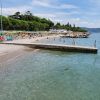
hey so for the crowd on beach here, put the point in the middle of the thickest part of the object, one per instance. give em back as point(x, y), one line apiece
point(9, 36)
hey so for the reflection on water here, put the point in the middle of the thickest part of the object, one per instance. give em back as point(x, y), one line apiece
point(52, 75)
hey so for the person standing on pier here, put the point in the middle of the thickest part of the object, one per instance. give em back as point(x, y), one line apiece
point(73, 42)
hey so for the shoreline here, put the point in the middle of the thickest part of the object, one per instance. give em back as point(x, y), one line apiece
point(8, 52)
point(32, 40)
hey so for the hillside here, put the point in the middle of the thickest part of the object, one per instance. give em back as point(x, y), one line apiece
point(29, 22)
point(95, 30)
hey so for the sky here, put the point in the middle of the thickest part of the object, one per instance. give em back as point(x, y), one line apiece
point(83, 13)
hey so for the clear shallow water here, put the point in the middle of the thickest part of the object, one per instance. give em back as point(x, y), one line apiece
point(52, 75)
point(79, 41)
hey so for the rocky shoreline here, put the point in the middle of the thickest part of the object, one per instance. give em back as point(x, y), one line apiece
point(76, 35)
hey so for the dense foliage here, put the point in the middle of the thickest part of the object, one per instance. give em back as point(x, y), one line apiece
point(30, 22)
point(68, 26)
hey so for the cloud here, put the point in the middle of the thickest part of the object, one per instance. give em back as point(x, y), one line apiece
point(67, 6)
point(82, 22)
point(50, 4)
point(67, 13)
point(63, 18)
point(92, 13)
point(12, 10)
point(45, 15)
point(44, 3)
point(57, 17)
point(95, 2)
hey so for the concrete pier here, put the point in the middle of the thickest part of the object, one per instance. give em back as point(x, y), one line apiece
point(59, 47)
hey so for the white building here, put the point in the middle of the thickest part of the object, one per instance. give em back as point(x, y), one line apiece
point(58, 31)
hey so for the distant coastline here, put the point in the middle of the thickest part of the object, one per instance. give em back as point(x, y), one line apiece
point(93, 30)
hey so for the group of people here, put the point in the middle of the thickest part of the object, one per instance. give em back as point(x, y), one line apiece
point(6, 38)
point(18, 35)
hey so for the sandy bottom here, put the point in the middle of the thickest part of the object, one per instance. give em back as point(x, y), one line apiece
point(11, 52)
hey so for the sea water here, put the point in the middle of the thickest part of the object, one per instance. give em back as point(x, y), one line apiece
point(53, 75)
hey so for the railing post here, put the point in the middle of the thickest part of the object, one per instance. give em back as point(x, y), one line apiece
point(95, 43)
